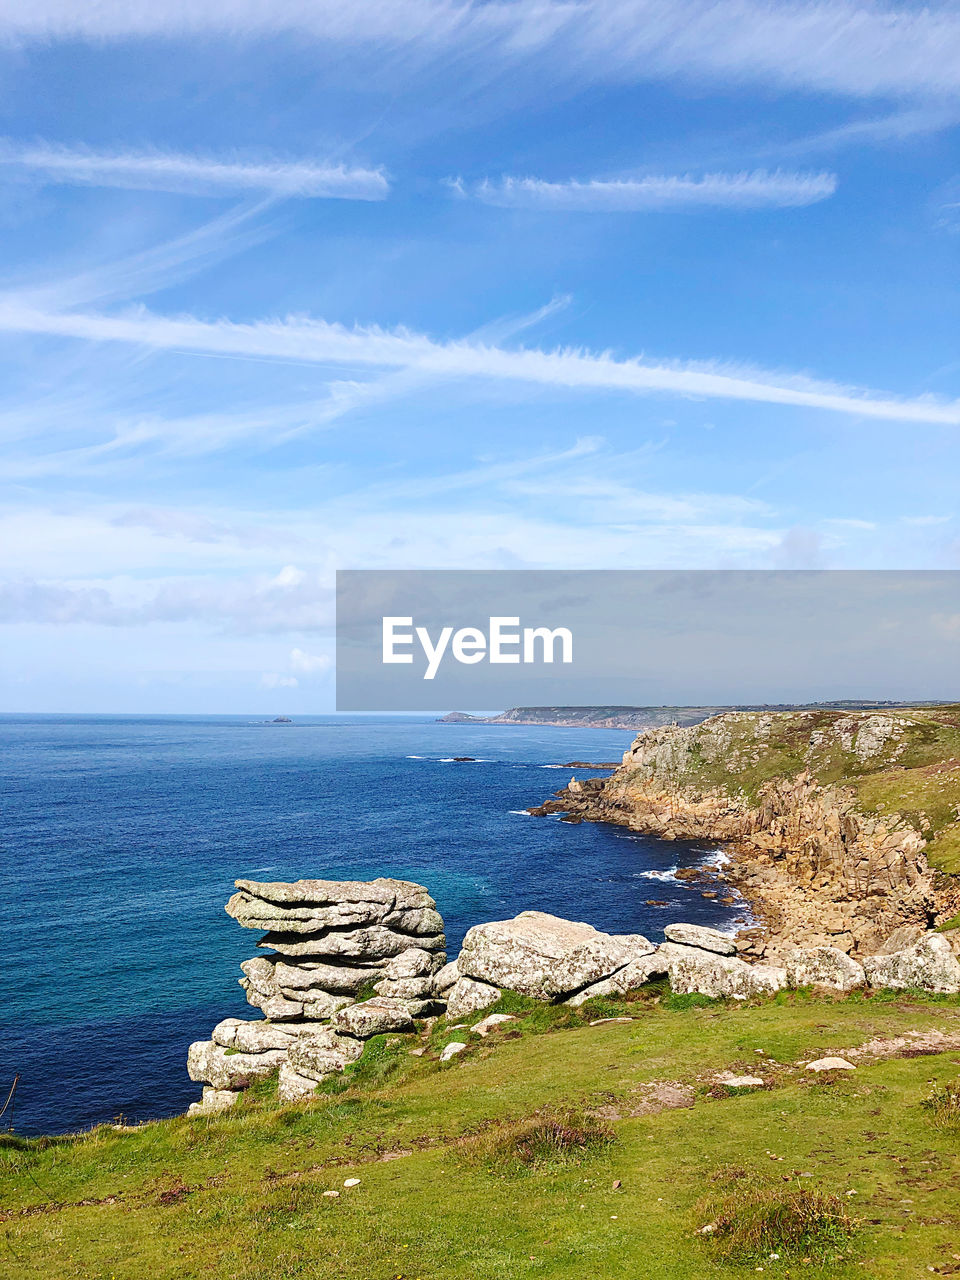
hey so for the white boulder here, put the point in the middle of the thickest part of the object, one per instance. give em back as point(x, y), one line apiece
point(372, 1018)
point(213, 1102)
point(707, 973)
point(630, 978)
point(323, 1054)
point(541, 955)
point(823, 967)
point(293, 1087)
point(225, 1068)
point(697, 935)
point(468, 996)
point(930, 965)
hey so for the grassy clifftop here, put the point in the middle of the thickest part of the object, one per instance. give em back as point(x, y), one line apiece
point(904, 761)
point(451, 1183)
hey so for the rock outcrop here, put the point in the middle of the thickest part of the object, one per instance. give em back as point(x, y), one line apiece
point(829, 816)
point(324, 1013)
point(542, 956)
point(823, 967)
point(930, 965)
point(350, 960)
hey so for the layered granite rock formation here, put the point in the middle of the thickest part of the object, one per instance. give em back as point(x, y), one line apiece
point(348, 960)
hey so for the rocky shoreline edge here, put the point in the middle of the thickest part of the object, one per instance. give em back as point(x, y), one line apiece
point(349, 960)
point(814, 867)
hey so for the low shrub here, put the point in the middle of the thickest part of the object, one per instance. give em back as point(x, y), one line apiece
point(545, 1141)
point(944, 1105)
point(754, 1221)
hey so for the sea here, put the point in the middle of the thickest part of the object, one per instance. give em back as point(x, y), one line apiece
point(121, 837)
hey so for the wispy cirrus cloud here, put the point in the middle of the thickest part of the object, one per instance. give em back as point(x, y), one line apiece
point(758, 190)
point(323, 343)
point(191, 174)
point(900, 126)
point(852, 47)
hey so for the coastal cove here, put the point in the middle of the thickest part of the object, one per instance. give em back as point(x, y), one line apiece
point(122, 837)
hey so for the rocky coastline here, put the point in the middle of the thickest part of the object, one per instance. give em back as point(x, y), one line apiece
point(350, 961)
point(817, 867)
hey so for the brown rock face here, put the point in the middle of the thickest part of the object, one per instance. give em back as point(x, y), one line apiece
point(818, 871)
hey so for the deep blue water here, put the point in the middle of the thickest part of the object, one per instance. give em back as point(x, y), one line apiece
point(120, 839)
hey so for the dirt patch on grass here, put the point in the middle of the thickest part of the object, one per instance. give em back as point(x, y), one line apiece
point(657, 1096)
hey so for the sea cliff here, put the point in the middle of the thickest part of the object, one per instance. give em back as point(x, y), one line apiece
point(842, 827)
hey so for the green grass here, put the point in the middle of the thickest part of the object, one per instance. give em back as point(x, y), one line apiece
point(241, 1197)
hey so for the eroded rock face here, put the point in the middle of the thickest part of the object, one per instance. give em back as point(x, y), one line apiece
point(293, 1087)
point(823, 967)
point(373, 942)
point(630, 978)
point(226, 1068)
point(445, 978)
point(297, 980)
point(543, 956)
point(819, 870)
point(213, 1102)
point(408, 980)
point(323, 1054)
point(324, 903)
point(930, 965)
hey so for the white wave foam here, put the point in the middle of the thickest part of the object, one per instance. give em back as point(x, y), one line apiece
point(659, 875)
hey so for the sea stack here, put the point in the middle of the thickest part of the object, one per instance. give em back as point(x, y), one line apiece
point(371, 948)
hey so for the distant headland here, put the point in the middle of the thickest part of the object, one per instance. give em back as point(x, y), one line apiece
point(654, 717)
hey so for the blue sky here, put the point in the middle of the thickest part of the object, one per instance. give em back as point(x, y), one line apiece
point(421, 284)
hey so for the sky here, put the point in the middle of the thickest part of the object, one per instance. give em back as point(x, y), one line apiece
point(421, 284)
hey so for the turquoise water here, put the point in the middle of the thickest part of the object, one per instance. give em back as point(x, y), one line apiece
point(120, 839)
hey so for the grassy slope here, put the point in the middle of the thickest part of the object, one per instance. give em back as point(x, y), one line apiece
point(241, 1197)
point(922, 781)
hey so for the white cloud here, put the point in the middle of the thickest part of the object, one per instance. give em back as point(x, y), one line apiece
point(800, 548)
point(274, 680)
point(191, 175)
point(308, 664)
point(851, 522)
point(320, 342)
point(876, 131)
point(244, 605)
point(757, 190)
point(852, 47)
point(289, 576)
